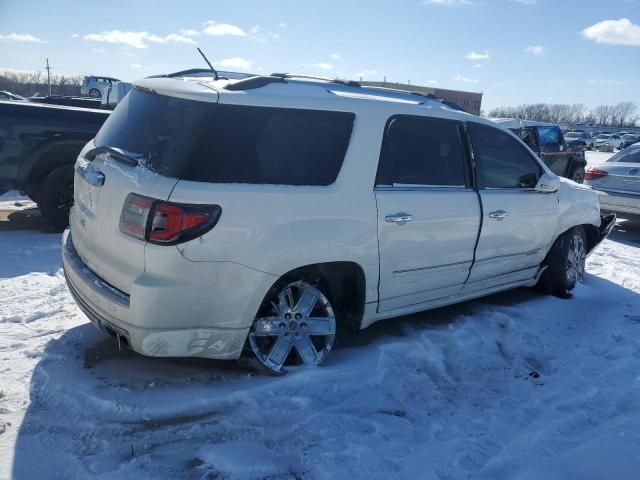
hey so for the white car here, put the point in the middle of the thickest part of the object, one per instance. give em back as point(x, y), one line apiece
point(96, 86)
point(618, 179)
point(615, 141)
point(260, 216)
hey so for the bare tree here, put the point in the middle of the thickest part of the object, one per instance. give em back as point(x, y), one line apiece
point(29, 83)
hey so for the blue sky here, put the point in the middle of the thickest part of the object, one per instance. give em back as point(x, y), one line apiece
point(515, 51)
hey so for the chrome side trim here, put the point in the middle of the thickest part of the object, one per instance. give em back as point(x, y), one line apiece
point(509, 256)
point(91, 279)
point(422, 188)
point(435, 269)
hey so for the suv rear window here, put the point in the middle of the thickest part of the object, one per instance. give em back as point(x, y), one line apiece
point(217, 143)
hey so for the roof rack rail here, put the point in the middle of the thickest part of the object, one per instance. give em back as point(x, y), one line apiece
point(253, 82)
point(349, 83)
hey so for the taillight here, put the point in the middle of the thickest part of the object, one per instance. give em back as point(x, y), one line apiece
point(593, 173)
point(166, 223)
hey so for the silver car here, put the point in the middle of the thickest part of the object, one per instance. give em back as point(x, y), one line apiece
point(96, 86)
point(618, 179)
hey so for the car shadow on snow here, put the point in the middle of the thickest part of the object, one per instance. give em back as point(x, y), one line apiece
point(627, 232)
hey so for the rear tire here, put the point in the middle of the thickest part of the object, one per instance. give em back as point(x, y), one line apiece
point(565, 263)
point(55, 197)
point(578, 175)
point(295, 325)
point(95, 93)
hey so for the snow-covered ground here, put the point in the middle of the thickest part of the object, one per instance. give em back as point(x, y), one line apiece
point(514, 386)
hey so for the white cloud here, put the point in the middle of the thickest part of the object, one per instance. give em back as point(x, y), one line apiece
point(273, 35)
point(189, 32)
point(478, 56)
point(222, 29)
point(22, 37)
point(255, 29)
point(463, 79)
point(75, 35)
point(136, 39)
point(319, 65)
point(282, 25)
point(135, 65)
point(525, 2)
point(175, 38)
point(537, 50)
point(614, 32)
point(334, 56)
point(235, 62)
point(449, 3)
point(478, 65)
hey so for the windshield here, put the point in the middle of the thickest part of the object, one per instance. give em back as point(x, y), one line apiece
point(572, 135)
point(603, 137)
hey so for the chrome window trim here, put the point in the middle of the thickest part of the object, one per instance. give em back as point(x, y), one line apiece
point(423, 188)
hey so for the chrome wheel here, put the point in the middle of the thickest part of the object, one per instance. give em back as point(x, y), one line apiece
point(576, 258)
point(301, 326)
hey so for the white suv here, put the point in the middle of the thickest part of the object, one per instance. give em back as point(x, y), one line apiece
point(214, 218)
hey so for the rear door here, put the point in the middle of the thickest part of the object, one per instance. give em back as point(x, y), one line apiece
point(155, 129)
point(428, 214)
point(518, 222)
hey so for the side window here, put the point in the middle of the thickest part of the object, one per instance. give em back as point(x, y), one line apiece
point(502, 162)
point(422, 151)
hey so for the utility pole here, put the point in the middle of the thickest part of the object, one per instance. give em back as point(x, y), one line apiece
point(49, 76)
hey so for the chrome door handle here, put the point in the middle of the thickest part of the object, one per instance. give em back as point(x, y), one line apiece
point(398, 218)
point(499, 214)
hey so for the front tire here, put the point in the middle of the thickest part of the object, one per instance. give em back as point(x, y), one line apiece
point(565, 263)
point(55, 197)
point(95, 93)
point(295, 325)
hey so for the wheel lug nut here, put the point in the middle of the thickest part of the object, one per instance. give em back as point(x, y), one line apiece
point(282, 325)
point(298, 316)
point(287, 316)
point(303, 325)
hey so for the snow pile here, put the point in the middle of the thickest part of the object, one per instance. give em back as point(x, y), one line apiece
point(514, 386)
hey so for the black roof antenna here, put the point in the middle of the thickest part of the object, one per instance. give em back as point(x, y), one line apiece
point(215, 74)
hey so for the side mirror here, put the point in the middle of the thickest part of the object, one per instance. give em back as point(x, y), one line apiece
point(548, 183)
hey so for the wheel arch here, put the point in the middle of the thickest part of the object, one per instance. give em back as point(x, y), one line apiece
point(344, 282)
point(46, 159)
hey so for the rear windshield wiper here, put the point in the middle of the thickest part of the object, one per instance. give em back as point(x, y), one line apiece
point(120, 155)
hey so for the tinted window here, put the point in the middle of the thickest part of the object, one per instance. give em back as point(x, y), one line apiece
point(631, 155)
point(209, 142)
point(422, 151)
point(502, 161)
point(549, 135)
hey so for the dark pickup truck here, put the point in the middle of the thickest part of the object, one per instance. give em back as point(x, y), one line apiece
point(564, 158)
point(39, 145)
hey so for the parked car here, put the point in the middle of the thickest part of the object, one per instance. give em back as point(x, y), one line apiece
point(619, 181)
point(612, 140)
point(11, 97)
point(95, 86)
point(263, 215)
point(580, 136)
point(629, 139)
point(38, 147)
point(548, 142)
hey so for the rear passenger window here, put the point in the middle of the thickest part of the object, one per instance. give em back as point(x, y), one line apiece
point(270, 146)
point(501, 161)
point(422, 151)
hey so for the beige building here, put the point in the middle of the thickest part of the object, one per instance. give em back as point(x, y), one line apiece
point(469, 101)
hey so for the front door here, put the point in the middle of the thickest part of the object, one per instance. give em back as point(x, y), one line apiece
point(518, 222)
point(428, 216)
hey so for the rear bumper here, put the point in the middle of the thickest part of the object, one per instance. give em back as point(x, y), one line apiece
point(147, 322)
